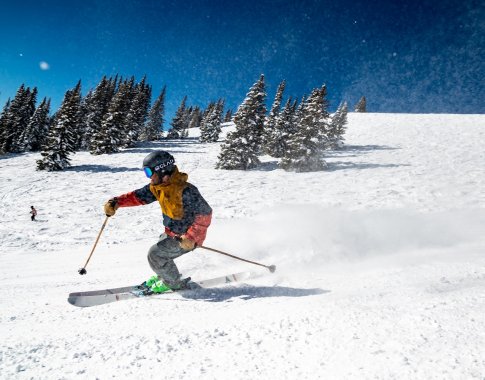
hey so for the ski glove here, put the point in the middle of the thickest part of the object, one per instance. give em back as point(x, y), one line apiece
point(186, 243)
point(111, 206)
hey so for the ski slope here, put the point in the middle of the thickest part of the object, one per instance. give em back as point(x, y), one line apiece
point(380, 263)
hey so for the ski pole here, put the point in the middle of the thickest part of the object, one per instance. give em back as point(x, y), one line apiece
point(271, 268)
point(83, 269)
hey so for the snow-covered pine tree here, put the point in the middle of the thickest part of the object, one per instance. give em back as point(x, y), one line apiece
point(283, 129)
point(154, 125)
point(109, 139)
point(303, 153)
point(241, 148)
point(195, 118)
point(36, 132)
point(78, 129)
point(61, 139)
point(270, 121)
point(178, 122)
point(94, 106)
point(322, 116)
point(134, 121)
point(187, 115)
point(210, 127)
point(209, 109)
point(3, 123)
point(17, 119)
point(228, 116)
point(337, 126)
point(361, 105)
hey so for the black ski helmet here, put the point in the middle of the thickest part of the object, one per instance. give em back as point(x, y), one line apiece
point(160, 161)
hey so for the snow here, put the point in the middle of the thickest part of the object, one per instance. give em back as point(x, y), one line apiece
point(380, 263)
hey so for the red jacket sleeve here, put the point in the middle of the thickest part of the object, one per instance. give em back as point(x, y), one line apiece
point(138, 197)
point(198, 230)
point(128, 200)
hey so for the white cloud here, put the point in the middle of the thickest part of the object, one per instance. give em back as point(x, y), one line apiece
point(44, 65)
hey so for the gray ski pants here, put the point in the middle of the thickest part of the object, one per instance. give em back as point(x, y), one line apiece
point(161, 256)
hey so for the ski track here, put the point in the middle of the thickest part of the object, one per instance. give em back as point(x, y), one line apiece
point(380, 265)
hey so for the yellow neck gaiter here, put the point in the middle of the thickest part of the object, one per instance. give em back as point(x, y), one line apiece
point(170, 195)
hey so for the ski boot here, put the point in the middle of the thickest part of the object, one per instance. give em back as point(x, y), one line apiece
point(145, 286)
point(184, 284)
point(160, 287)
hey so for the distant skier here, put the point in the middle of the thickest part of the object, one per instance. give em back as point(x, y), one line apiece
point(33, 213)
point(186, 217)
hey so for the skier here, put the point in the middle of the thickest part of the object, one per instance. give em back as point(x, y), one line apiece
point(33, 213)
point(186, 217)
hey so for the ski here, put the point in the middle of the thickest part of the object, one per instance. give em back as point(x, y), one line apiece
point(100, 297)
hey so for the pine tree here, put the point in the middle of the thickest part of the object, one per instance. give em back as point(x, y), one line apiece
point(77, 125)
point(109, 139)
point(228, 116)
point(270, 121)
point(305, 145)
point(241, 148)
point(95, 106)
point(154, 125)
point(3, 123)
point(195, 118)
point(361, 105)
point(61, 139)
point(134, 121)
point(283, 131)
point(210, 128)
point(184, 133)
point(17, 119)
point(38, 128)
point(337, 126)
point(322, 117)
point(178, 122)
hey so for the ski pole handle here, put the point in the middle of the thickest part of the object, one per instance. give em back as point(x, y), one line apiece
point(83, 269)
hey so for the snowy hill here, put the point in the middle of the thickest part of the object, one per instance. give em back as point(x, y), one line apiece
point(381, 265)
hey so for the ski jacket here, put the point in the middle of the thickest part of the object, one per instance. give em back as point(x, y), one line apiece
point(185, 211)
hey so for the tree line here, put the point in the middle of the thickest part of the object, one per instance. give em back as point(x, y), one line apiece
point(118, 113)
point(298, 133)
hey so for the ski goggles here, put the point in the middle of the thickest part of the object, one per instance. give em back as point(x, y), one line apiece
point(149, 171)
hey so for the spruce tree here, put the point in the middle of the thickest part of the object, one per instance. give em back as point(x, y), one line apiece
point(195, 118)
point(283, 130)
point(154, 125)
point(270, 120)
point(337, 126)
point(228, 116)
point(134, 120)
point(77, 125)
point(94, 107)
point(210, 128)
point(241, 148)
point(19, 113)
point(304, 149)
point(178, 122)
point(109, 137)
point(184, 133)
point(38, 128)
point(322, 117)
point(11, 130)
point(61, 139)
point(361, 105)
point(3, 123)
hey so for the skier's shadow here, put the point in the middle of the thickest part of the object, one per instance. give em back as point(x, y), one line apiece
point(249, 292)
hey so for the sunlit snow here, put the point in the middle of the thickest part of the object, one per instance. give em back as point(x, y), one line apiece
point(380, 263)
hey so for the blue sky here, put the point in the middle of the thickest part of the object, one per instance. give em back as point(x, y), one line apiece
point(413, 56)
